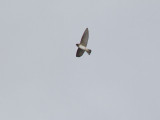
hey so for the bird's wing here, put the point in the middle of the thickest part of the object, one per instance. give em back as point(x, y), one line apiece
point(84, 39)
point(79, 52)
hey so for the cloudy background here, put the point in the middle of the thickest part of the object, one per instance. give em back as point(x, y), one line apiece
point(41, 79)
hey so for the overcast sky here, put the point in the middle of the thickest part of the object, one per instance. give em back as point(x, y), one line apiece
point(41, 78)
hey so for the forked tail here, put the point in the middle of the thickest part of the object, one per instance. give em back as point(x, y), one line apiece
point(89, 51)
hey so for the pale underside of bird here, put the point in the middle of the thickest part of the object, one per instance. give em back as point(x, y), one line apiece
point(82, 46)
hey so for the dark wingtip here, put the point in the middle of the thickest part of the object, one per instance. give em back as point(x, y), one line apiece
point(86, 30)
point(78, 56)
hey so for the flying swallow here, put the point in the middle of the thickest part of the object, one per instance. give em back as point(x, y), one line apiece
point(82, 47)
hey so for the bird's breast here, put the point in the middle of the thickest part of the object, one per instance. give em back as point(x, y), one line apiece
point(82, 47)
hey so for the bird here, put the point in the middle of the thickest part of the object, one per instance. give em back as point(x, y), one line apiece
point(82, 46)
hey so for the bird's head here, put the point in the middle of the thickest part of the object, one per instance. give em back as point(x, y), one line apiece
point(77, 45)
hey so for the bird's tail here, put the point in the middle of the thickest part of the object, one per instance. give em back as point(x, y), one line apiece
point(89, 51)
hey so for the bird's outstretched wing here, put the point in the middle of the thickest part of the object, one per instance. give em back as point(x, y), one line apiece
point(84, 39)
point(79, 52)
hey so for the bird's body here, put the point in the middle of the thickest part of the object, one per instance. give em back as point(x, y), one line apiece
point(82, 47)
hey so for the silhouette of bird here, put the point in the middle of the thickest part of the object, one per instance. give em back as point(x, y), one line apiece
point(82, 47)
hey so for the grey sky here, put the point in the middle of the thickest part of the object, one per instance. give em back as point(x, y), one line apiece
point(41, 79)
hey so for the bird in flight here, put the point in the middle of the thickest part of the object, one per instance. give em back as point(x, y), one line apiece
point(82, 47)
